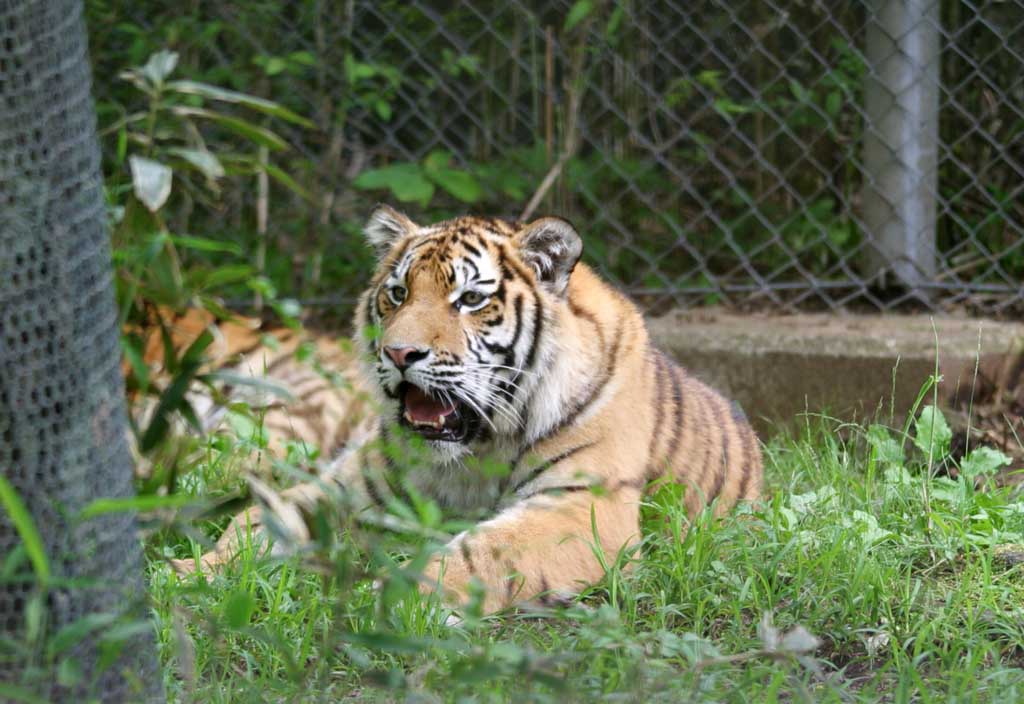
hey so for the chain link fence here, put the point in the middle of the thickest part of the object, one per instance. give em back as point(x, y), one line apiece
point(842, 155)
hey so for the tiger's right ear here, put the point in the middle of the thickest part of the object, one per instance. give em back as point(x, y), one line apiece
point(387, 226)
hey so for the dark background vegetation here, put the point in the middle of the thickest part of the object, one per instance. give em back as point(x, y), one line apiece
point(709, 151)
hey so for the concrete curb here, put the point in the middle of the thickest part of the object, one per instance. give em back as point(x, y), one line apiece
point(780, 366)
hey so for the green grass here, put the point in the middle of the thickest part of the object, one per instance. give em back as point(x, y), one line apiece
point(866, 575)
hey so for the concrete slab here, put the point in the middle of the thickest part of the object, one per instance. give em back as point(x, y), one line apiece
point(852, 367)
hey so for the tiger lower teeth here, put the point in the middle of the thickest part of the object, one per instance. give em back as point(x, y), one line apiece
point(438, 424)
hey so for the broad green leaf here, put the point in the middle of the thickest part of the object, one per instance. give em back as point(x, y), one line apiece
point(437, 159)
point(26, 529)
point(357, 70)
point(798, 91)
point(406, 181)
point(202, 159)
point(931, 433)
point(806, 503)
point(268, 107)
point(159, 66)
point(151, 181)
point(263, 286)
point(887, 450)
point(245, 428)
point(833, 102)
point(238, 608)
point(69, 672)
point(983, 460)
point(461, 184)
point(710, 78)
point(577, 13)
point(385, 176)
point(289, 309)
point(303, 57)
point(726, 107)
point(867, 526)
point(614, 21)
point(274, 65)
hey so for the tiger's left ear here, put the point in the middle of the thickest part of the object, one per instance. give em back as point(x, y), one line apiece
point(551, 246)
point(387, 226)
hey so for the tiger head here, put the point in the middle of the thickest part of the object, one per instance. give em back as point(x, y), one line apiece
point(461, 315)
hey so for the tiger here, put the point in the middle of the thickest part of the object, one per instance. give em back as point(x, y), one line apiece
point(489, 340)
point(310, 394)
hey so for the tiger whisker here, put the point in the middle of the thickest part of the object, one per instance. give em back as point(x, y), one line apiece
point(517, 370)
point(498, 388)
point(490, 380)
point(500, 405)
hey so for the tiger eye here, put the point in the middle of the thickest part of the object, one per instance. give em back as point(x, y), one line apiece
point(397, 294)
point(471, 298)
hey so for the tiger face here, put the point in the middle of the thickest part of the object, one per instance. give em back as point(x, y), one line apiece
point(458, 310)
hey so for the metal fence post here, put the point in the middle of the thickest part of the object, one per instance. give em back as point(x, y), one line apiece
point(901, 140)
point(63, 440)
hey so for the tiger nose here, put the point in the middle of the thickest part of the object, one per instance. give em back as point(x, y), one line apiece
point(403, 357)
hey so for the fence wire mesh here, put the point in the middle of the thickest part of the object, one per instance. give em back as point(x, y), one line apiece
point(838, 155)
point(70, 620)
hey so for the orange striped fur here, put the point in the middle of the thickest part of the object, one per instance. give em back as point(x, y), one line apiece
point(328, 404)
point(529, 359)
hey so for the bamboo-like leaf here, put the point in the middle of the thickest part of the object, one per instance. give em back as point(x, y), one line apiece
point(76, 631)
point(578, 13)
point(204, 244)
point(255, 133)
point(260, 383)
point(268, 107)
point(202, 159)
point(148, 502)
point(26, 529)
point(287, 181)
point(132, 350)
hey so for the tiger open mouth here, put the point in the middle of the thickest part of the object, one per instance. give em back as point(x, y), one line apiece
point(433, 418)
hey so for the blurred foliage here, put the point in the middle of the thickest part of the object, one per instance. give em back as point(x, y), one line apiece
point(724, 158)
point(171, 157)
